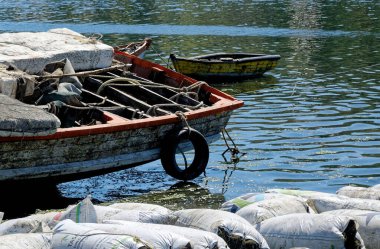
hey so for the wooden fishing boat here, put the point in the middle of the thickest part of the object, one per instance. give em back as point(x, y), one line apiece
point(130, 113)
point(224, 67)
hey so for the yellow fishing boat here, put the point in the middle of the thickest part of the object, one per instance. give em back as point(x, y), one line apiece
point(223, 67)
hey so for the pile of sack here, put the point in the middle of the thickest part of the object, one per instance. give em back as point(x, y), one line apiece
point(277, 219)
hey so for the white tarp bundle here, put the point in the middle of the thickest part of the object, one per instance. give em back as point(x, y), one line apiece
point(239, 202)
point(145, 217)
point(23, 225)
point(31, 51)
point(26, 241)
point(70, 235)
point(46, 218)
point(369, 225)
point(235, 230)
point(111, 213)
point(360, 192)
point(266, 209)
point(105, 212)
point(377, 186)
point(141, 207)
point(300, 193)
point(328, 203)
point(156, 238)
point(83, 212)
point(311, 230)
point(199, 239)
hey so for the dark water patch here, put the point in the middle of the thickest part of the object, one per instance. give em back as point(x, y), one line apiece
point(25, 199)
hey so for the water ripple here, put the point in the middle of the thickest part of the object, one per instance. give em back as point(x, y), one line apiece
point(163, 29)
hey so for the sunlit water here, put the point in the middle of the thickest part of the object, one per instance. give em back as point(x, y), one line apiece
point(311, 123)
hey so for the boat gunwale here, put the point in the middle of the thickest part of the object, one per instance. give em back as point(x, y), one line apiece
point(222, 102)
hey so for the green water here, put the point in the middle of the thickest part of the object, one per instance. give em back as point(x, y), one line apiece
point(311, 123)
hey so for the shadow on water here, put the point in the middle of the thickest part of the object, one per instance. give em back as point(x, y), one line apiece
point(19, 202)
point(24, 199)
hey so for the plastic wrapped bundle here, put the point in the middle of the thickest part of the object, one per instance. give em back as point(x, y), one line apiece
point(241, 201)
point(70, 235)
point(145, 217)
point(300, 193)
point(23, 225)
point(141, 207)
point(312, 231)
point(83, 212)
point(235, 230)
point(360, 192)
point(157, 238)
point(26, 241)
point(266, 209)
point(198, 239)
point(369, 225)
point(328, 203)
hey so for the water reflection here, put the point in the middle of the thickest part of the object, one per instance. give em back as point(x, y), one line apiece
point(182, 195)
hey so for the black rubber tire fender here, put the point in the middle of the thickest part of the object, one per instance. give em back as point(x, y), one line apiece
point(201, 156)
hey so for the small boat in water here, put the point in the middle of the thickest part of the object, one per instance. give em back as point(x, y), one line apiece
point(100, 110)
point(225, 67)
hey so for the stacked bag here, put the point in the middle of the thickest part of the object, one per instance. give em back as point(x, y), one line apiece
point(276, 219)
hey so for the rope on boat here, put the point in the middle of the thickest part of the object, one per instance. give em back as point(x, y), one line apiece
point(137, 111)
point(184, 91)
point(162, 59)
point(182, 117)
point(234, 150)
point(86, 73)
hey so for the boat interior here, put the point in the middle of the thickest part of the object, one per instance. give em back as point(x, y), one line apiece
point(116, 91)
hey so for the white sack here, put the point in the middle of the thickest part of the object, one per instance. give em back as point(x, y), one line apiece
point(300, 193)
point(145, 217)
point(241, 201)
point(369, 225)
point(360, 192)
point(31, 51)
point(1, 216)
point(22, 225)
point(377, 186)
point(141, 207)
point(328, 203)
point(311, 230)
point(198, 239)
point(154, 237)
point(105, 212)
point(46, 218)
point(235, 230)
point(25, 241)
point(83, 212)
point(262, 210)
point(70, 235)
